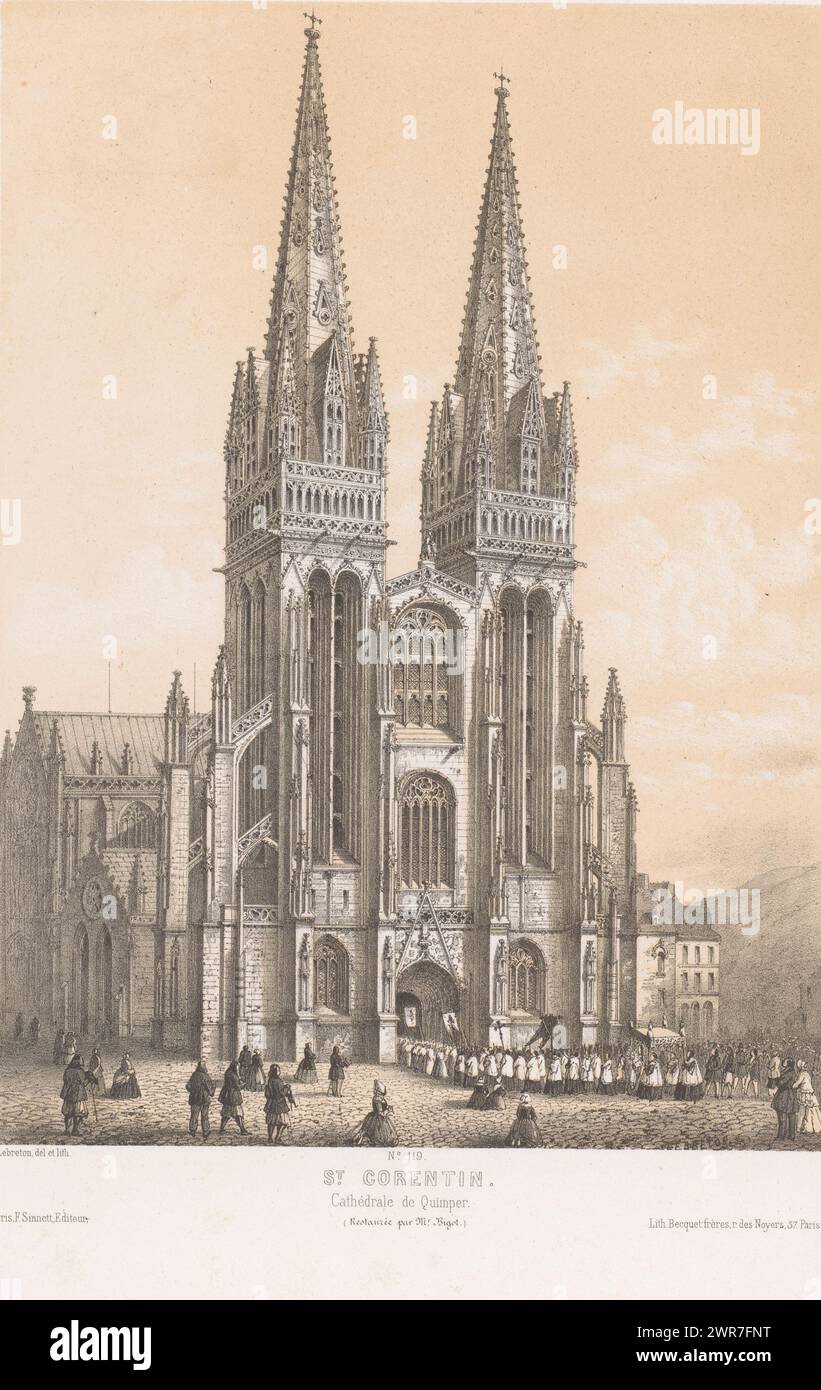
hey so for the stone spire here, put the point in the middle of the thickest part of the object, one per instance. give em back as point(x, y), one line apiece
point(373, 422)
point(613, 720)
point(567, 458)
point(498, 356)
point(5, 756)
point(309, 333)
point(176, 723)
point(221, 702)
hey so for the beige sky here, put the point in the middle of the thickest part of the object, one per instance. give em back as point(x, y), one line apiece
point(133, 257)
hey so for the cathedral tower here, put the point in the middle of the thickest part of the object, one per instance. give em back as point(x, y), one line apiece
point(304, 565)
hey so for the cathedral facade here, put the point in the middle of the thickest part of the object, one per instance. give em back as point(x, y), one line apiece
point(398, 813)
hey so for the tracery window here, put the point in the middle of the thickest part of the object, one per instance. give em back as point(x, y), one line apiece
point(427, 819)
point(331, 976)
point(136, 828)
point(525, 980)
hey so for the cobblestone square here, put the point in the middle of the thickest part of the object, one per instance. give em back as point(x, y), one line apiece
point(427, 1113)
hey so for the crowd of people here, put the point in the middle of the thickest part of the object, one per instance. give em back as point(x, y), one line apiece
point(651, 1071)
point(781, 1072)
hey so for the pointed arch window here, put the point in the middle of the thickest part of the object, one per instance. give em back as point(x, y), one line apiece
point(334, 418)
point(525, 981)
point(332, 976)
point(424, 648)
point(136, 828)
point(427, 832)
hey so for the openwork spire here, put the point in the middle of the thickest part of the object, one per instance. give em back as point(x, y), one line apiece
point(498, 351)
point(309, 320)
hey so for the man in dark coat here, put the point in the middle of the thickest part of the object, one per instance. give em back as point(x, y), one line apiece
point(200, 1090)
point(19, 1026)
point(230, 1098)
point(336, 1072)
point(279, 1101)
point(34, 1031)
point(785, 1101)
point(244, 1064)
point(74, 1094)
point(57, 1054)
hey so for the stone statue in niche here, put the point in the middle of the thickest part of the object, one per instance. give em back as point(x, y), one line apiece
point(500, 980)
point(387, 976)
point(589, 978)
point(305, 973)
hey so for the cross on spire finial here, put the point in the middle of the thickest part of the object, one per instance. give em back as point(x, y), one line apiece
point(504, 82)
point(313, 19)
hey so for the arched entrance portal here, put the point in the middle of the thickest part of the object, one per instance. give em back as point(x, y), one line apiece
point(424, 992)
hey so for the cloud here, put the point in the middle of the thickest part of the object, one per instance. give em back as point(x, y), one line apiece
point(742, 426)
point(639, 361)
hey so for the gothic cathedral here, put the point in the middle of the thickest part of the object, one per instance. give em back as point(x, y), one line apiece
point(397, 815)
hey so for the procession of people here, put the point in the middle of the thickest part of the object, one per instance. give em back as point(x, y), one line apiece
point(647, 1066)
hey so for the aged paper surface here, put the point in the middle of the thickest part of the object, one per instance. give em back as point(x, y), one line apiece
point(417, 754)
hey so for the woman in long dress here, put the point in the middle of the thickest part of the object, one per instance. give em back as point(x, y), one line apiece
point(125, 1085)
point(495, 1099)
point(809, 1114)
point(377, 1130)
point(479, 1094)
point(306, 1071)
point(256, 1073)
point(524, 1132)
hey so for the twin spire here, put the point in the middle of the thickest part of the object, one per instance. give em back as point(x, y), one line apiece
point(311, 399)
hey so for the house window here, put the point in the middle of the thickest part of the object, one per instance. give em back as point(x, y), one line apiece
point(711, 983)
point(661, 962)
point(684, 983)
point(697, 984)
point(698, 955)
point(711, 955)
point(684, 955)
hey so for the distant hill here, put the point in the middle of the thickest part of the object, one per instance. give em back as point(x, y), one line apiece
point(762, 976)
